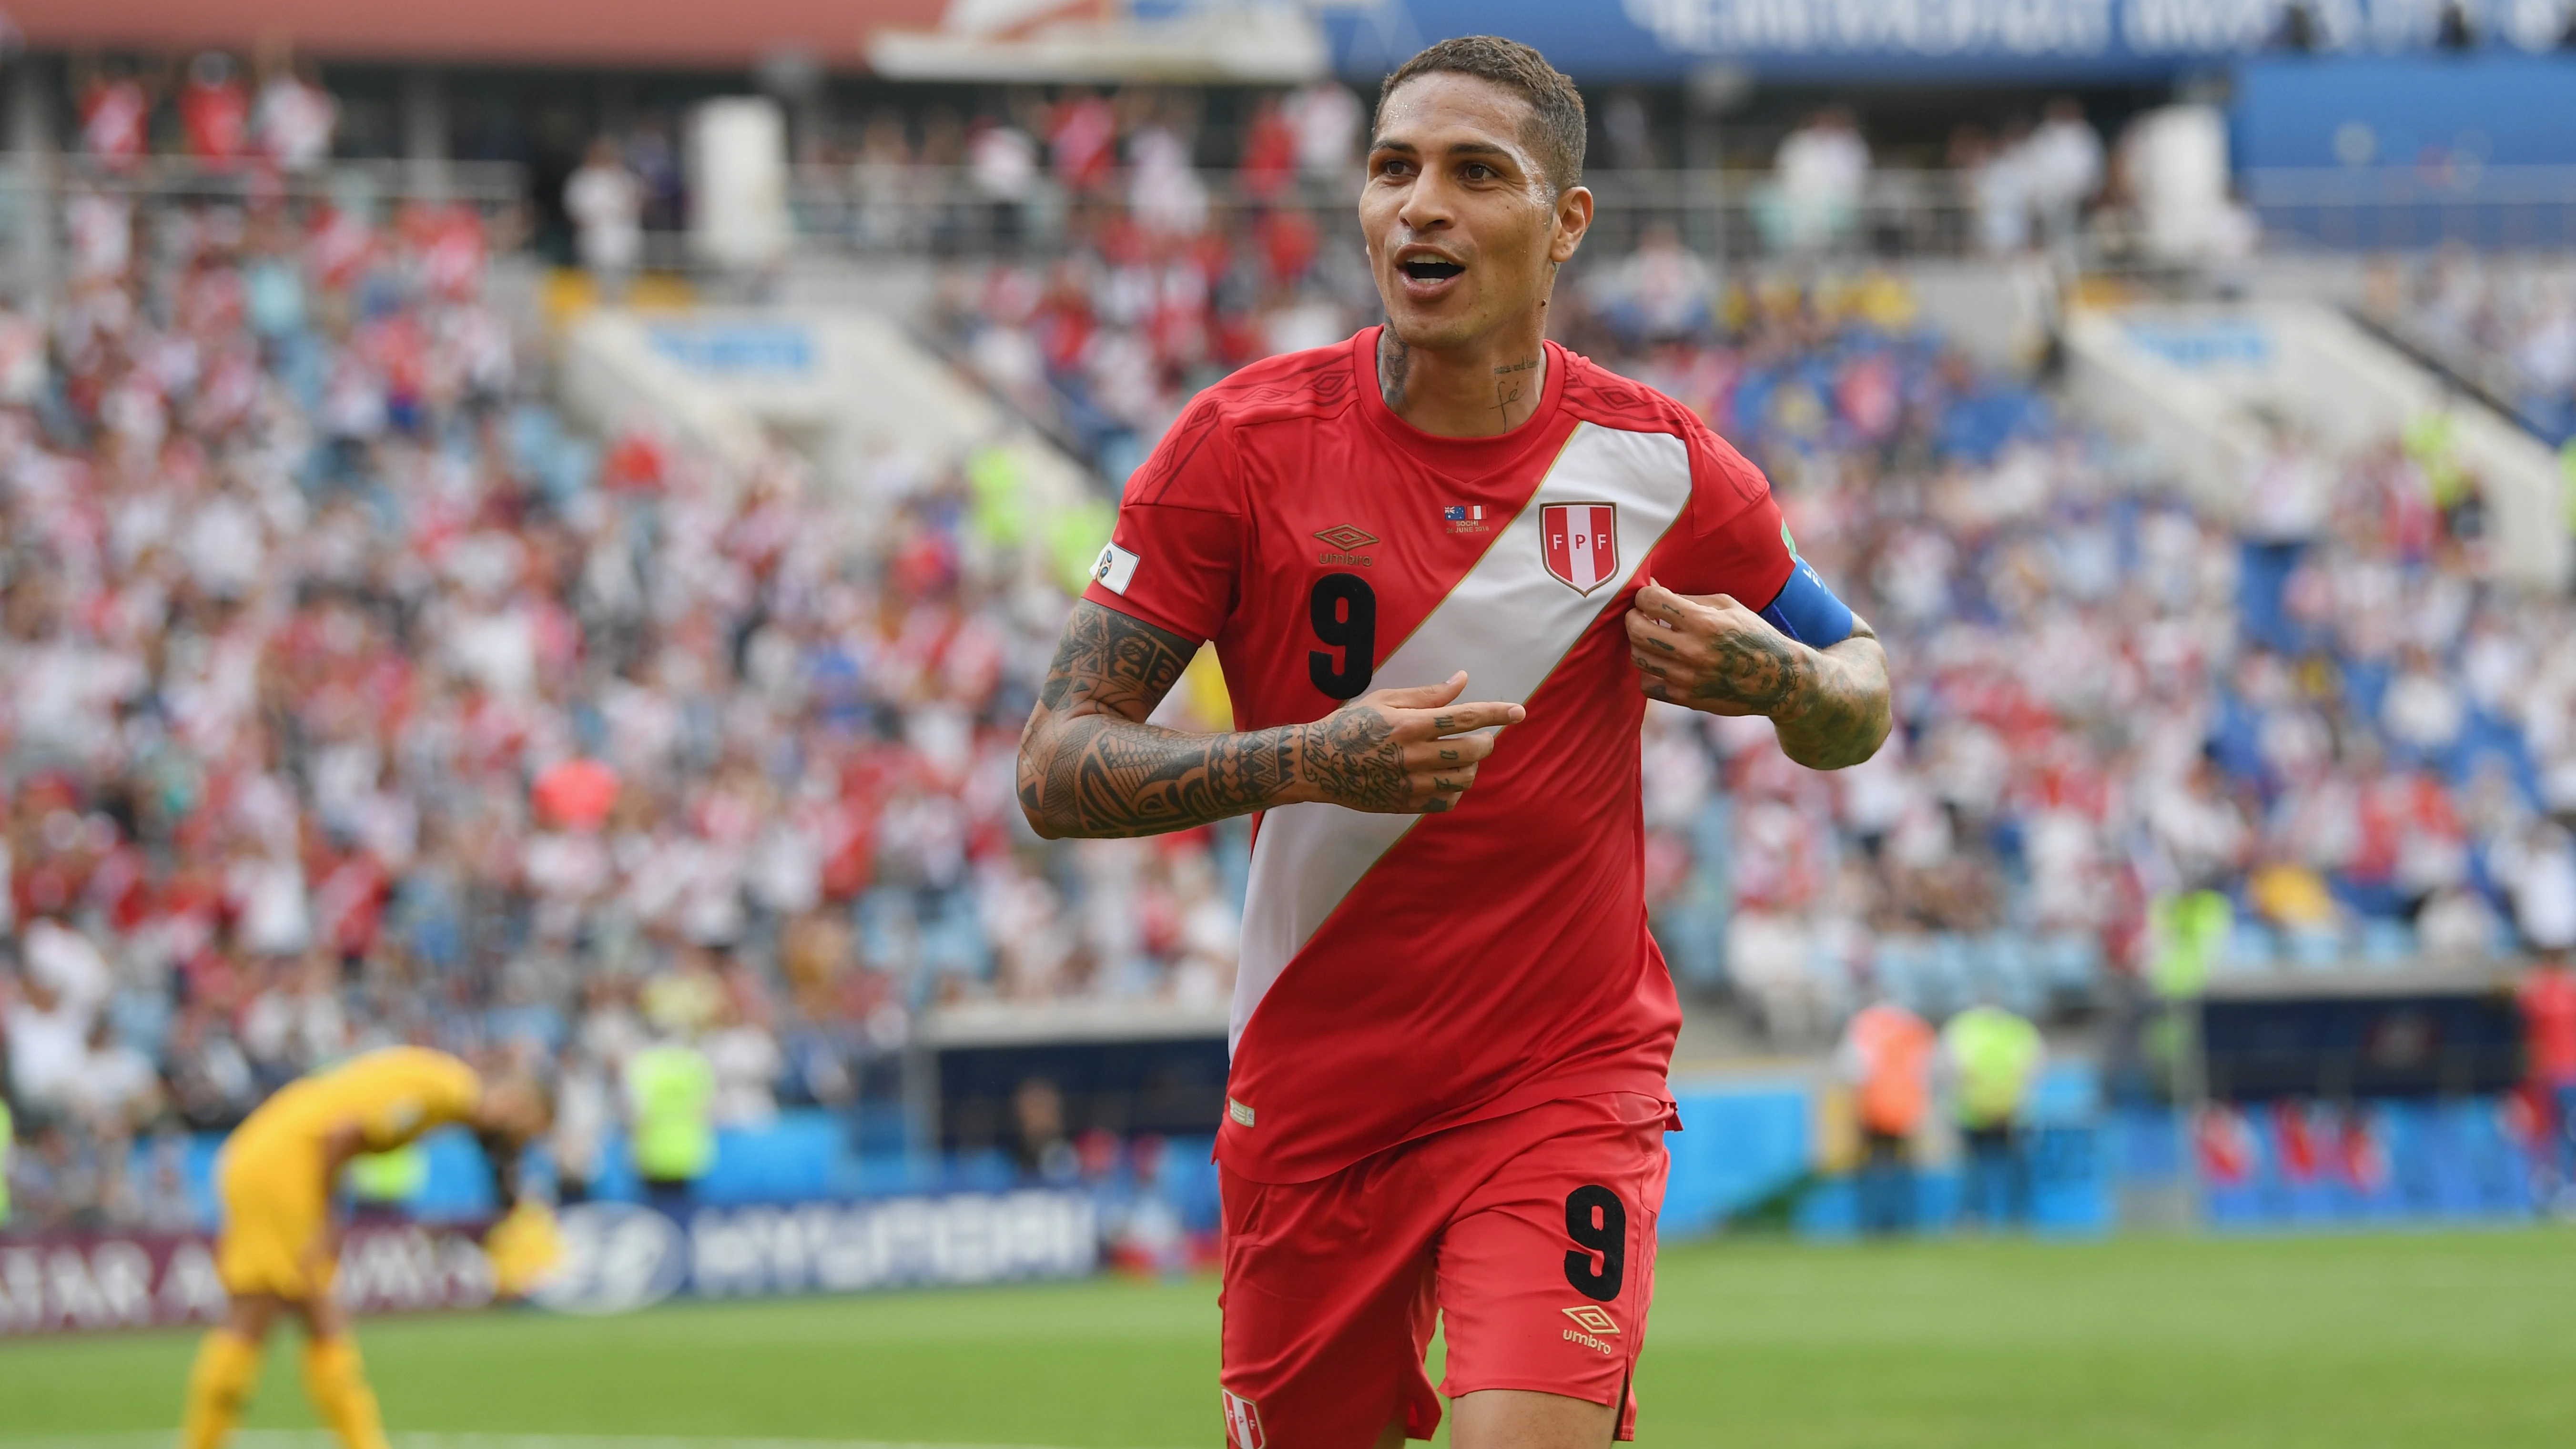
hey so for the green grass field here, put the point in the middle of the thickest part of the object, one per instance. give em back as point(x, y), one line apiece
point(2452, 1340)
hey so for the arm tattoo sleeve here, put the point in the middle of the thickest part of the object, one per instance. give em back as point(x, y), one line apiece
point(1090, 765)
point(1838, 713)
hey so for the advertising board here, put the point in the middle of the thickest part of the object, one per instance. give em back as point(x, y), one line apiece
point(618, 1257)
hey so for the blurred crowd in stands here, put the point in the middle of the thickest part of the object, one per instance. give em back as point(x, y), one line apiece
point(279, 115)
point(2108, 703)
point(2505, 324)
point(355, 699)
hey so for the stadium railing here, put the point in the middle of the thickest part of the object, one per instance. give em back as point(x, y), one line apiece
point(488, 185)
point(1900, 212)
point(1720, 213)
point(2412, 208)
point(35, 191)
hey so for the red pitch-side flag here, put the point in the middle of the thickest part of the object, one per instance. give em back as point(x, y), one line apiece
point(1581, 541)
point(2229, 1152)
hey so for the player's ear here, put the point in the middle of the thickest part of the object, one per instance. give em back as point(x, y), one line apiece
point(1573, 219)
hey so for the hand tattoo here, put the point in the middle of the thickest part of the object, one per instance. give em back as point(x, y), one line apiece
point(1754, 668)
point(1351, 758)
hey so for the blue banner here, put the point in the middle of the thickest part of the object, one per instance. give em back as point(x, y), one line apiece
point(2441, 117)
point(1662, 40)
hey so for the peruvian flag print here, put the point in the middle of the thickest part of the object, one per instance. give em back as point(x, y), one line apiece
point(1581, 541)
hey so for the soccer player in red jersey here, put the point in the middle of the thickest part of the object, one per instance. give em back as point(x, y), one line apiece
point(1444, 565)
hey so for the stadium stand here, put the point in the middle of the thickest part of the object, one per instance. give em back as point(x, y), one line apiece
point(357, 695)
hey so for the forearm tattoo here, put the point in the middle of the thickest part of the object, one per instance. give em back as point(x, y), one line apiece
point(1843, 717)
point(1089, 764)
point(1829, 706)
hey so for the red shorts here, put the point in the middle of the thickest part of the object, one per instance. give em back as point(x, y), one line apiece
point(1531, 1237)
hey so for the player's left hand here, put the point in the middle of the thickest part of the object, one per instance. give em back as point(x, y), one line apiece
point(1711, 653)
point(525, 1249)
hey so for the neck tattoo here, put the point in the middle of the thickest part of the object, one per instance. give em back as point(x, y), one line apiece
point(1392, 356)
point(1511, 383)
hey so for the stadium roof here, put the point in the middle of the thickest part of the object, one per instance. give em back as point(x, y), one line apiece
point(693, 33)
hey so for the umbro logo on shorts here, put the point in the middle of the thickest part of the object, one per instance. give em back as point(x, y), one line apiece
point(1242, 1421)
point(1594, 1319)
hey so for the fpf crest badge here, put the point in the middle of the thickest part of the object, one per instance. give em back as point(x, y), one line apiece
point(1580, 542)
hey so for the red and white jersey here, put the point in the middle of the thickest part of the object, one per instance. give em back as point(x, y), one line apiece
point(1402, 974)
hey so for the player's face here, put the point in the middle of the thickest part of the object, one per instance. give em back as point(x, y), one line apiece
point(1463, 234)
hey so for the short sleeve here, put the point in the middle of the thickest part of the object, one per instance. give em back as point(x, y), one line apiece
point(1175, 559)
point(1733, 542)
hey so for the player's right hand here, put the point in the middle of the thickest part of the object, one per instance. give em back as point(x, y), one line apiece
point(1400, 751)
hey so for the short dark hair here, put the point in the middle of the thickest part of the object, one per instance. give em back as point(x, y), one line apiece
point(1557, 124)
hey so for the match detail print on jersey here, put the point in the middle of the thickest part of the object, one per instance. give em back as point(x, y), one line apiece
point(1507, 622)
point(1581, 541)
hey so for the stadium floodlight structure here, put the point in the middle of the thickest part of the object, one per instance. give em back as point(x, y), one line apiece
point(1213, 42)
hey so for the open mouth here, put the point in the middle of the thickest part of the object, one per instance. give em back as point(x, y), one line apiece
point(1429, 269)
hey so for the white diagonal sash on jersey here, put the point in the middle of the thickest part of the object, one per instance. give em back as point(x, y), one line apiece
point(1507, 623)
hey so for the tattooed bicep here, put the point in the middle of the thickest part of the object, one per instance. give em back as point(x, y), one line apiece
point(1114, 662)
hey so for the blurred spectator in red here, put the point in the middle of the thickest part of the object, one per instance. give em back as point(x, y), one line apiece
point(1082, 140)
point(116, 116)
point(1269, 163)
point(214, 110)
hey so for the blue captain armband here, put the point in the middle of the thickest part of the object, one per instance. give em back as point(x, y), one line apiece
point(1808, 612)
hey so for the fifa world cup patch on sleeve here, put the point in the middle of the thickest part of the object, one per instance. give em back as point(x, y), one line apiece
point(1241, 1114)
point(1114, 569)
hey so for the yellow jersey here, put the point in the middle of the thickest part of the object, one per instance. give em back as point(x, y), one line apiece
point(276, 1203)
point(394, 1095)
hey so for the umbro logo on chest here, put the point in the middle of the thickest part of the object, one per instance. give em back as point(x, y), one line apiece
point(1343, 543)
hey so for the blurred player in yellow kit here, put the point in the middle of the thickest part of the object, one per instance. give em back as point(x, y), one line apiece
point(280, 1242)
